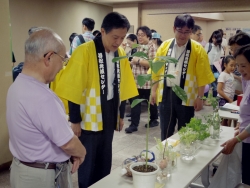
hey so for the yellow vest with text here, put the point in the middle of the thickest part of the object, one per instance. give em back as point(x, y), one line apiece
point(80, 83)
point(198, 73)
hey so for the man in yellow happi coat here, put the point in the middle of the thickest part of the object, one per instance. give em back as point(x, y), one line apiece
point(94, 87)
point(192, 73)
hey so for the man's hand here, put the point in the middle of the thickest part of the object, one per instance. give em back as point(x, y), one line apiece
point(230, 101)
point(76, 162)
point(229, 146)
point(121, 124)
point(198, 104)
point(134, 60)
point(76, 127)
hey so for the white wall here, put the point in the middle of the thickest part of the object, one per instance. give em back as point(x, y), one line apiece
point(131, 11)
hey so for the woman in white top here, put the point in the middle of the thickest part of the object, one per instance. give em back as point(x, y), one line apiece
point(213, 48)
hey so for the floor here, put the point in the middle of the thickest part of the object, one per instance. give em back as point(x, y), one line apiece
point(124, 145)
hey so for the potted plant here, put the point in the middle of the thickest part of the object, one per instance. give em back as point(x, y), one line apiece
point(145, 169)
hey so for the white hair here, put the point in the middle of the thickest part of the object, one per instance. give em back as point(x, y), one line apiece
point(41, 42)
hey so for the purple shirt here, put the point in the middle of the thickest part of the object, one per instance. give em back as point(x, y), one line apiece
point(36, 121)
point(245, 108)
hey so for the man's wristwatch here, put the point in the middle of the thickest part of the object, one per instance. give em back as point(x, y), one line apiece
point(200, 97)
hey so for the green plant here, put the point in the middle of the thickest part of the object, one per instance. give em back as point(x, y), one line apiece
point(212, 100)
point(201, 128)
point(155, 65)
point(187, 135)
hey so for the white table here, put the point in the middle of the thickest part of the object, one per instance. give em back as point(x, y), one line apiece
point(184, 173)
point(227, 114)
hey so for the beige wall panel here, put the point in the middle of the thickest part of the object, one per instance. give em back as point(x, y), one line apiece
point(5, 79)
point(131, 11)
point(64, 17)
point(154, 15)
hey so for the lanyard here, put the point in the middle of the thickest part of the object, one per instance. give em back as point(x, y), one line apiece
point(180, 56)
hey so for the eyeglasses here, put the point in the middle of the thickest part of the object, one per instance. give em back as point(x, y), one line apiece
point(140, 35)
point(65, 60)
point(184, 33)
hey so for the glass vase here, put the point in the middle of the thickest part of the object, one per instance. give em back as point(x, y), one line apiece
point(165, 168)
point(215, 125)
point(187, 150)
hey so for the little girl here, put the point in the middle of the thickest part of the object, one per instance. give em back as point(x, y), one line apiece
point(225, 87)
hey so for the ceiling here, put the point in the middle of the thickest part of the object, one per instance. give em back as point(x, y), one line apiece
point(114, 2)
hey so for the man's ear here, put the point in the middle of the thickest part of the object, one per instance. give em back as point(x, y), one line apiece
point(47, 58)
point(102, 31)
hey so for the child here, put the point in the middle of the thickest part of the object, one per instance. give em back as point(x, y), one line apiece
point(225, 87)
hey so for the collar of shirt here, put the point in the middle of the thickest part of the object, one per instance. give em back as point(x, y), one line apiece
point(88, 32)
point(181, 47)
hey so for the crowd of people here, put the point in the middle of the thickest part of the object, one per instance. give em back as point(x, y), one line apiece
point(94, 91)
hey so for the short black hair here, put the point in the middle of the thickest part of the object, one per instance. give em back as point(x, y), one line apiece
point(72, 36)
point(96, 32)
point(89, 23)
point(153, 31)
point(132, 37)
point(115, 20)
point(221, 31)
point(245, 51)
point(240, 38)
point(217, 35)
point(145, 30)
point(196, 28)
point(238, 30)
point(184, 20)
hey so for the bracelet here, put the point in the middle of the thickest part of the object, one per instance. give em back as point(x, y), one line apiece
point(238, 138)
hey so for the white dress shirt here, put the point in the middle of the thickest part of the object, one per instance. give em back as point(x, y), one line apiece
point(110, 74)
point(178, 53)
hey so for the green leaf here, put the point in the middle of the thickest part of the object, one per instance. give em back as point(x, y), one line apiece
point(115, 59)
point(137, 101)
point(180, 93)
point(167, 76)
point(167, 59)
point(143, 78)
point(157, 65)
point(135, 45)
point(140, 54)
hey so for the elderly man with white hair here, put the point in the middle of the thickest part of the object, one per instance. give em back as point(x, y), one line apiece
point(41, 139)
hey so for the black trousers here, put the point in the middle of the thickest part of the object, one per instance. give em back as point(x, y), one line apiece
point(245, 163)
point(171, 111)
point(98, 161)
point(136, 111)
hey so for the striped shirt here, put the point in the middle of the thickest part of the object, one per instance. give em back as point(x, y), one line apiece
point(88, 36)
